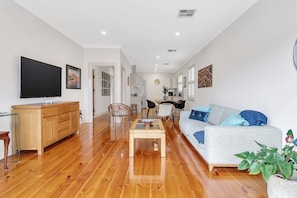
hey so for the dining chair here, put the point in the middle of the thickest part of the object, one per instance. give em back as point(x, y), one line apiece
point(165, 111)
point(119, 110)
point(150, 105)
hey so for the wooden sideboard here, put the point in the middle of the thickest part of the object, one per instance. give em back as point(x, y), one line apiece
point(44, 124)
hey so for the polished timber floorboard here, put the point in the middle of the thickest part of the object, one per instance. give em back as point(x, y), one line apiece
point(92, 164)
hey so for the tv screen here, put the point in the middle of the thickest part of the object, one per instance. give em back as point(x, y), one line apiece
point(39, 79)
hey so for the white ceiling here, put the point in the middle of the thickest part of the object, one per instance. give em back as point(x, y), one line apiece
point(143, 29)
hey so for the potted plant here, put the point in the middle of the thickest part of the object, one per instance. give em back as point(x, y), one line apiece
point(165, 90)
point(279, 169)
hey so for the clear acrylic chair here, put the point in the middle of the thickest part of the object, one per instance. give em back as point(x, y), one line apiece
point(119, 110)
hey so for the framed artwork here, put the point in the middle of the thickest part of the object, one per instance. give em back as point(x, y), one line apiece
point(73, 77)
point(205, 77)
point(295, 54)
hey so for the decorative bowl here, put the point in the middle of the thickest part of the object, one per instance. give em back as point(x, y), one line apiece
point(147, 121)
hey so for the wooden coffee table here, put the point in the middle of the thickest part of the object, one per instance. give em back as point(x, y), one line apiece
point(142, 130)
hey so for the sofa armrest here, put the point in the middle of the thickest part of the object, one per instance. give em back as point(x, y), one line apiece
point(184, 115)
point(222, 142)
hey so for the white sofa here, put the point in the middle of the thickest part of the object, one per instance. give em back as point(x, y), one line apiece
point(222, 142)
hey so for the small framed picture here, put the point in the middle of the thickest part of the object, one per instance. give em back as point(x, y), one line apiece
point(295, 54)
point(73, 77)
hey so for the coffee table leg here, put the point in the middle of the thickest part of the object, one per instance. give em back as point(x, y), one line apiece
point(163, 145)
point(131, 145)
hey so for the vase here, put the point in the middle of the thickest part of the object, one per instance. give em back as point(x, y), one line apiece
point(164, 97)
point(277, 187)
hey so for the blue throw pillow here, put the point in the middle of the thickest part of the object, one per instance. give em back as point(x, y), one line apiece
point(254, 117)
point(234, 120)
point(199, 135)
point(199, 115)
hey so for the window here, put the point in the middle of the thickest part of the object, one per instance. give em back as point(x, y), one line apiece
point(105, 84)
point(180, 83)
point(191, 82)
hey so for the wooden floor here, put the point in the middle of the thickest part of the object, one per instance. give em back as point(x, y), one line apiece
point(90, 164)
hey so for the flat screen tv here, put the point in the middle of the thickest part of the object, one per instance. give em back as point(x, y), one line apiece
point(39, 79)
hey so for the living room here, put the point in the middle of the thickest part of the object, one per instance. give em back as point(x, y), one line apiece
point(252, 62)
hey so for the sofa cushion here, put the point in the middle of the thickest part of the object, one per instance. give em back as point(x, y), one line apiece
point(219, 113)
point(227, 112)
point(203, 108)
point(190, 126)
point(199, 135)
point(234, 120)
point(215, 114)
point(254, 117)
point(199, 115)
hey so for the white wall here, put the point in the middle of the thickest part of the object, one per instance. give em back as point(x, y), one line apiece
point(22, 34)
point(153, 91)
point(94, 57)
point(252, 64)
point(127, 67)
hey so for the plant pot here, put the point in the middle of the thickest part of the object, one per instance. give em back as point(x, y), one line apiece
point(277, 187)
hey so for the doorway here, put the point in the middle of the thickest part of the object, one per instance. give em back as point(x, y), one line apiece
point(102, 89)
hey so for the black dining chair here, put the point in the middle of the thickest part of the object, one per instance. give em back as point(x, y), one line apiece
point(150, 105)
point(180, 104)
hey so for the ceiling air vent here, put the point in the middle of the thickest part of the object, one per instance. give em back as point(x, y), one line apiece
point(166, 64)
point(186, 13)
point(172, 50)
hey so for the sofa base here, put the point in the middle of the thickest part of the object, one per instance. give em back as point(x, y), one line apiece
point(210, 166)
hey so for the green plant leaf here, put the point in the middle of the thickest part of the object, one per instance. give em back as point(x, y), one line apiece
point(286, 168)
point(273, 149)
point(255, 168)
point(242, 155)
point(271, 158)
point(267, 171)
point(261, 145)
point(251, 157)
point(243, 165)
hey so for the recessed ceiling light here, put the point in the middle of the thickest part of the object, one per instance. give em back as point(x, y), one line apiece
point(177, 33)
point(158, 57)
point(103, 32)
point(156, 65)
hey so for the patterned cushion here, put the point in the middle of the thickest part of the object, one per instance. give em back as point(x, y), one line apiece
point(199, 115)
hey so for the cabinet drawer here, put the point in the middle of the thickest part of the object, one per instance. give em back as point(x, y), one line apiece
point(63, 117)
point(63, 133)
point(49, 112)
point(64, 125)
point(74, 107)
point(63, 109)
